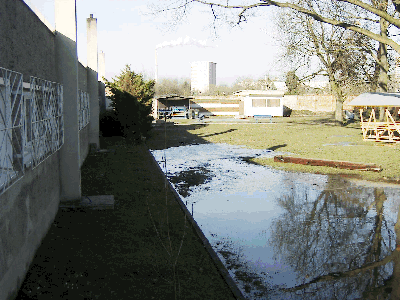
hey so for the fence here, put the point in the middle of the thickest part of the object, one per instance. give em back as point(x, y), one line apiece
point(31, 124)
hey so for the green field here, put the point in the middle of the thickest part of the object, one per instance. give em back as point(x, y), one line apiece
point(314, 136)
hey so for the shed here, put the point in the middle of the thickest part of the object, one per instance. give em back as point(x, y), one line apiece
point(173, 104)
point(387, 130)
point(260, 103)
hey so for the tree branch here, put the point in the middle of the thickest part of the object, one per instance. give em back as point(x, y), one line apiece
point(375, 11)
point(318, 17)
point(315, 15)
point(334, 276)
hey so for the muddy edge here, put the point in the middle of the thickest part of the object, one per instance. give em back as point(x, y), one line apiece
point(218, 263)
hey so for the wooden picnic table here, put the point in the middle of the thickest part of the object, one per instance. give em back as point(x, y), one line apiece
point(387, 131)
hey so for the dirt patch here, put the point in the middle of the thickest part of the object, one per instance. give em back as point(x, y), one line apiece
point(184, 180)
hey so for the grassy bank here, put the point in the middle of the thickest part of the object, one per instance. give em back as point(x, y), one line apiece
point(303, 136)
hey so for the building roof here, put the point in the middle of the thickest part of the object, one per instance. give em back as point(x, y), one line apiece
point(259, 93)
point(376, 99)
point(173, 97)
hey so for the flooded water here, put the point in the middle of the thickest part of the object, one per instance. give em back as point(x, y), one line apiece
point(288, 235)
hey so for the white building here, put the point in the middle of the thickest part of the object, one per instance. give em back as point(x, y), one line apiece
point(260, 103)
point(203, 74)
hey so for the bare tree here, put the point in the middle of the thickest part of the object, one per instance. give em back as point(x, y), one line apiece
point(236, 12)
point(248, 83)
point(167, 86)
point(372, 19)
point(339, 53)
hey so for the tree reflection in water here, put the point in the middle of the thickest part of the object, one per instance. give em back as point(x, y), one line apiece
point(340, 244)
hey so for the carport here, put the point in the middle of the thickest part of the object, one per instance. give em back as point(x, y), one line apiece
point(172, 105)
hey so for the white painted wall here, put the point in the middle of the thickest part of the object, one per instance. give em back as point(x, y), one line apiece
point(250, 111)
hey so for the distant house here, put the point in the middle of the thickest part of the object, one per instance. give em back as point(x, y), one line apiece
point(260, 103)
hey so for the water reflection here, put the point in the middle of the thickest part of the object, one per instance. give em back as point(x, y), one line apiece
point(339, 244)
point(292, 236)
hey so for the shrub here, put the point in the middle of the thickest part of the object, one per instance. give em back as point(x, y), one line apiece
point(131, 100)
point(109, 124)
point(133, 116)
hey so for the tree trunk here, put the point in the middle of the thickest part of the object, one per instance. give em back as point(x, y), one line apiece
point(383, 78)
point(337, 93)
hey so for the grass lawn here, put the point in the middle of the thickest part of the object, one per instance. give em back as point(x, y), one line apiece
point(303, 136)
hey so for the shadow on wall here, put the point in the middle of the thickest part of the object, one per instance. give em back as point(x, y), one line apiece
point(202, 111)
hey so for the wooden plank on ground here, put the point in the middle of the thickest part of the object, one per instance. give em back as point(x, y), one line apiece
point(328, 163)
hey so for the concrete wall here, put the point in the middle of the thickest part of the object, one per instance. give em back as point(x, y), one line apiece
point(26, 44)
point(83, 143)
point(315, 103)
point(82, 77)
point(102, 97)
point(27, 210)
point(29, 206)
point(84, 132)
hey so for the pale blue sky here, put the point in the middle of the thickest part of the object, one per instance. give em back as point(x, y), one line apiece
point(127, 35)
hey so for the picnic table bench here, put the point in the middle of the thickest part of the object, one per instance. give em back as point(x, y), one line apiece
point(388, 131)
point(258, 117)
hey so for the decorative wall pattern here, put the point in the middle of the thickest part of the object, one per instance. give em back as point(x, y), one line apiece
point(84, 109)
point(31, 124)
point(46, 118)
point(11, 128)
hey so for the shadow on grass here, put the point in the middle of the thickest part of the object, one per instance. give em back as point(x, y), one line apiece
point(273, 148)
point(170, 135)
point(218, 133)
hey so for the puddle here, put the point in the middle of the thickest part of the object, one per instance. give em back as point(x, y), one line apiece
point(288, 235)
